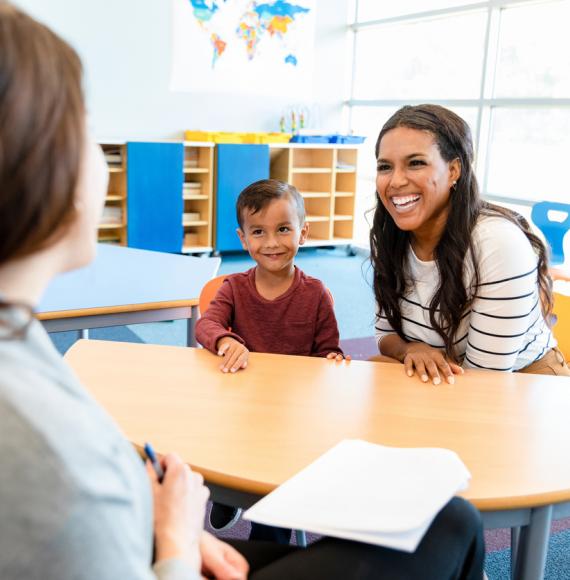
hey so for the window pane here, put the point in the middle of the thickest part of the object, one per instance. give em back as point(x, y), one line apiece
point(529, 154)
point(534, 51)
point(437, 59)
point(374, 10)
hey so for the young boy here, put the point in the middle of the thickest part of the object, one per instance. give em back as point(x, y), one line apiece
point(273, 307)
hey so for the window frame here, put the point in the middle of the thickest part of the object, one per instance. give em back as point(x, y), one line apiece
point(485, 104)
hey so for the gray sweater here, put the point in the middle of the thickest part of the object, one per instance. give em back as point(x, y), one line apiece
point(75, 502)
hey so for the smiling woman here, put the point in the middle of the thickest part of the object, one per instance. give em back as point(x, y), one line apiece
point(458, 282)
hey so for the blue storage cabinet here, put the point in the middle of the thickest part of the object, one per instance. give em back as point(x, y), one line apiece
point(237, 167)
point(154, 201)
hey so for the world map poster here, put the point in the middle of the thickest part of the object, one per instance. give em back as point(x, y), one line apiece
point(245, 46)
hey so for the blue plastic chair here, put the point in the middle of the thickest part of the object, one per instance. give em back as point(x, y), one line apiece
point(554, 232)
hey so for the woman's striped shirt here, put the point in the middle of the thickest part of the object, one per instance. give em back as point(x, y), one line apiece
point(504, 328)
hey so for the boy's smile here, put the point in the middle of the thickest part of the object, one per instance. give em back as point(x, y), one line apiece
point(272, 236)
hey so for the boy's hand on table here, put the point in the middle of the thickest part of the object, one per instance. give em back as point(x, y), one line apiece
point(337, 356)
point(234, 352)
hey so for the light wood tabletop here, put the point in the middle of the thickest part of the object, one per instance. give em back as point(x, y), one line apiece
point(252, 430)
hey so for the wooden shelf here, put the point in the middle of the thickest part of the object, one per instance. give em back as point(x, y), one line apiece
point(116, 157)
point(109, 238)
point(314, 194)
point(198, 165)
point(196, 249)
point(311, 170)
point(326, 177)
point(197, 196)
point(197, 223)
point(110, 226)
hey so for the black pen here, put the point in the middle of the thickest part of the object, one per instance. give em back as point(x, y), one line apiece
point(155, 463)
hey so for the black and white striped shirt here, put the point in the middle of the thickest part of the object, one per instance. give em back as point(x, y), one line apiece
point(504, 329)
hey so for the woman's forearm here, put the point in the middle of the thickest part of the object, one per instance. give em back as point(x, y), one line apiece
point(393, 346)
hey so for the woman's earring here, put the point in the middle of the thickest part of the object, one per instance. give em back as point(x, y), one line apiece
point(454, 185)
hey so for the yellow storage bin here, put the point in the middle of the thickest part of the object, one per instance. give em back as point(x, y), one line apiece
point(276, 138)
point(234, 137)
point(199, 136)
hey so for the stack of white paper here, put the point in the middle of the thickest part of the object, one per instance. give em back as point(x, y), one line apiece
point(361, 491)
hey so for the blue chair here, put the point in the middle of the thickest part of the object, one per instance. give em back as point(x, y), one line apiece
point(553, 231)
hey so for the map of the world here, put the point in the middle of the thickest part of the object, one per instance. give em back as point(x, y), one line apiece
point(241, 42)
point(259, 21)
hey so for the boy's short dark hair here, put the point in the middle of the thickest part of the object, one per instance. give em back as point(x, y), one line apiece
point(260, 194)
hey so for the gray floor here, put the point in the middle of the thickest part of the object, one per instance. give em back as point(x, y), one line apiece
point(347, 277)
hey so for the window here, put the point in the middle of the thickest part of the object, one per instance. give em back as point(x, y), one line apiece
point(503, 65)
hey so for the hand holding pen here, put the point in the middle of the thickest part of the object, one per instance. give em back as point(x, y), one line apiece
point(179, 508)
point(149, 451)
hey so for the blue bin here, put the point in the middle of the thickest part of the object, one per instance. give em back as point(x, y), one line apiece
point(347, 139)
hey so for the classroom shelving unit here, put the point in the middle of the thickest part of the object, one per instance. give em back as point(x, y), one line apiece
point(197, 196)
point(113, 225)
point(325, 175)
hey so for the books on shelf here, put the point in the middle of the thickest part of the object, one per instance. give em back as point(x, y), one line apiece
point(192, 188)
point(113, 157)
point(370, 493)
point(190, 157)
point(112, 215)
point(191, 239)
point(191, 216)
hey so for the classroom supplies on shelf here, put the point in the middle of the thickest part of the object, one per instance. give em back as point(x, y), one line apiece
point(191, 239)
point(113, 225)
point(334, 138)
point(112, 215)
point(361, 491)
point(347, 139)
point(310, 139)
point(229, 137)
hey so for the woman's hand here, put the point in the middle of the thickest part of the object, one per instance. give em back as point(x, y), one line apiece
point(234, 352)
point(179, 510)
point(429, 363)
point(220, 560)
point(338, 356)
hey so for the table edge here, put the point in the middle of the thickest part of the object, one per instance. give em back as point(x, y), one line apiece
point(118, 309)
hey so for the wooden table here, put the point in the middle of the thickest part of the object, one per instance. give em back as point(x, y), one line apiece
point(249, 432)
point(127, 286)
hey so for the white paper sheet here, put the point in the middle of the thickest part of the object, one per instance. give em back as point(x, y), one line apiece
point(362, 491)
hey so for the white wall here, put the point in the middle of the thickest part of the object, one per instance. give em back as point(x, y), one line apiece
point(125, 46)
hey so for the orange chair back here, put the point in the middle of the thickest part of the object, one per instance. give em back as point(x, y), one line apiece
point(561, 328)
point(208, 292)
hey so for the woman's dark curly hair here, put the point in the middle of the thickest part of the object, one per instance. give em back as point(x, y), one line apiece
point(389, 245)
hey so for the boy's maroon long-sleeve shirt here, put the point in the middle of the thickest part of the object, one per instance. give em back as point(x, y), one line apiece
point(300, 322)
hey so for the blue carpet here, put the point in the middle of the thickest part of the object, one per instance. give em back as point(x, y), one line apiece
point(498, 564)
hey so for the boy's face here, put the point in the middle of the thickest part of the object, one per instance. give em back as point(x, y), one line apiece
point(273, 235)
